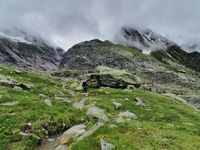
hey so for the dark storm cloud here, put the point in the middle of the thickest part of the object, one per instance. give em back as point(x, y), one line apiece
point(67, 22)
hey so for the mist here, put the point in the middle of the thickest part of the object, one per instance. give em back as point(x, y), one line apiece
point(68, 22)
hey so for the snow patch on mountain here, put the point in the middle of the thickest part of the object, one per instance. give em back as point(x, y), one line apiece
point(144, 39)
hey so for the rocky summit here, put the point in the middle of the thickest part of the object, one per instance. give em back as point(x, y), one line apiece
point(99, 94)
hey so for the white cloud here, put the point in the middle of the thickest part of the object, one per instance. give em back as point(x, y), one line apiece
point(67, 22)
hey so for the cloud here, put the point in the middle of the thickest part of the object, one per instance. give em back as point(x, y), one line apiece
point(67, 22)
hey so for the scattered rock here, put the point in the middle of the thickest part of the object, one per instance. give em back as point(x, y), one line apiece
point(117, 105)
point(74, 85)
point(106, 146)
point(125, 116)
point(95, 113)
point(70, 93)
point(138, 101)
point(16, 71)
point(127, 99)
point(9, 103)
point(71, 134)
point(80, 104)
point(128, 90)
point(120, 120)
point(61, 99)
point(80, 87)
point(131, 87)
point(43, 95)
point(91, 131)
point(48, 102)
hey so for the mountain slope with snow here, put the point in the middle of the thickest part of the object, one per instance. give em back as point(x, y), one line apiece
point(23, 52)
point(144, 39)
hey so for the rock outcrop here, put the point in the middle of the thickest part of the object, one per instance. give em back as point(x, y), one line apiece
point(108, 77)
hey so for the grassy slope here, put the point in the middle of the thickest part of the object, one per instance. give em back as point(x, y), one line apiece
point(31, 108)
point(163, 124)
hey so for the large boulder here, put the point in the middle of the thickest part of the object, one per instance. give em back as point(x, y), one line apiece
point(114, 78)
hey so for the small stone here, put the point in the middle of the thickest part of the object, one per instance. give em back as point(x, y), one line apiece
point(43, 95)
point(48, 102)
point(106, 146)
point(70, 93)
point(95, 113)
point(117, 105)
point(131, 87)
point(128, 90)
point(120, 120)
point(9, 103)
point(80, 87)
point(80, 104)
point(61, 99)
point(138, 101)
point(74, 85)
point(127, 114)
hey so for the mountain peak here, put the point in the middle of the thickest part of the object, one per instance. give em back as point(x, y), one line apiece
point(143, 39)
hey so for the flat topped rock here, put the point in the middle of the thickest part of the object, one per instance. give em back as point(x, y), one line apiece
point(127, 114)
point(95, 113)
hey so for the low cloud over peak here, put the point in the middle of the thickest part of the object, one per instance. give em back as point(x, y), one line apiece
point(67, 22)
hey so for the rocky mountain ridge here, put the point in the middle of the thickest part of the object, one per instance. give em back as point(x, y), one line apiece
point(29, 54)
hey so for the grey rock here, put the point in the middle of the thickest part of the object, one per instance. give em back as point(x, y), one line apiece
point(80, 104)
point(95, 113)
point(138, 101)
point(9, 82)
point(9, 103)
point(117, 105)
point(127, 114)
point(125, 117)
point(106, 146)
point(114, 78)
point(71, 134)
point(48, 102)
point(91, 131)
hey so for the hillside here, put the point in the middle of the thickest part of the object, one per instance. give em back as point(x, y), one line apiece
point(52, 105)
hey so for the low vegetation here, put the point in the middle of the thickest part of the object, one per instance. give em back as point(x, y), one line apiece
point(46, 110)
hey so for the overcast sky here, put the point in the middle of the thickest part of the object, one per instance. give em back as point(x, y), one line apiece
point(67, 22)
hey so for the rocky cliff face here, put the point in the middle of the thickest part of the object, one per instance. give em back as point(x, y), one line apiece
point(36, 56)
